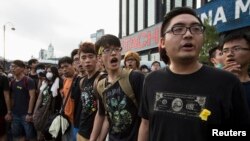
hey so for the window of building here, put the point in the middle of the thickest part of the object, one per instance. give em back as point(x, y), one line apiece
point(189, 3)
point(168, 5)
point(140, 15)
point(144, 57)
point(131, 16)
point(124, 19)
point(178, 3)
point(155, 57)
point(151, 12)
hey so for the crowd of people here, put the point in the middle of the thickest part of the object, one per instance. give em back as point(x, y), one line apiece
point(104, 101)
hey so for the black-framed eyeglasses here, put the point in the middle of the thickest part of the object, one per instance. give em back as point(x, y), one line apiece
point(110, 50)
point(234, 49)
point(181, 30)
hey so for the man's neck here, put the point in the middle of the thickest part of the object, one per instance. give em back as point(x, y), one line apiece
point(19, 77)
point(71, 76)
point(82, 73)
point(181, 68)
point(91, 74)
point(243, 75)
point(113, 75)
point(33, 72)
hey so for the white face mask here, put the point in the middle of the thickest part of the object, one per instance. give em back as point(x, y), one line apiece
point(49, 75)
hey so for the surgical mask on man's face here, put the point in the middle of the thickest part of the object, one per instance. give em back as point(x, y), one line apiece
point(219, 66)
point(49, 75)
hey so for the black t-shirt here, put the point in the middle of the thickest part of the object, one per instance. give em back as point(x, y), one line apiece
point(75, 94)
point(122, 114)
point(172, 103)
point(20, 93)
point(4, 86)
point(246, 86)
point(89, 106)
point(35, 78)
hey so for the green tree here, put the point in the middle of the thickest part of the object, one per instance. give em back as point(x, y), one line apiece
point(211, 40)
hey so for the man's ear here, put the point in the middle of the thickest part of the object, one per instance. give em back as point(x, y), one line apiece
point(213, 61)
point(99, 58)
point(162, 42)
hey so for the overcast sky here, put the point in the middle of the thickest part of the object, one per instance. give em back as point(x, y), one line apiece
point(64, 23)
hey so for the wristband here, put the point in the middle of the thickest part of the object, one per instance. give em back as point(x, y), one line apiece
point(29, 114)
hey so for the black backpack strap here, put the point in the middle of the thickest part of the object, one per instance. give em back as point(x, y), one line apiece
point(81, 83)
point(68, 94)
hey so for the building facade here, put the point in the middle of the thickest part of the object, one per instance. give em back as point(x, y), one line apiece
point(50, 53)
point(96, 36)
point(47, 54)
point(43, 54)
point(140, 20)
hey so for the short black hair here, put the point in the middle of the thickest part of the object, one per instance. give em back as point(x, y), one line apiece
point(65, 59)
point(167, 18)
point(74, 52)
point(155, 62)
point(236, 35)
point(19, 63)
point(211, 52)
point(40, 66)
point(107, 41)
point(87, 47)
point(175, 12)
point(144, 67)
point(31, 61)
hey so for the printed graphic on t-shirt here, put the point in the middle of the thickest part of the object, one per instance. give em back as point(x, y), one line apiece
point(89, 103)
point(120, 117)
point(188, 105)
point(45, 96)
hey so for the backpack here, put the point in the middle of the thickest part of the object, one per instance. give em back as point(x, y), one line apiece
point(124, 83)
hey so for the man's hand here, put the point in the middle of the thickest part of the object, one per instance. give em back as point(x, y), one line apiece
point(232, 67)
point(8, 116)
point(29, 118)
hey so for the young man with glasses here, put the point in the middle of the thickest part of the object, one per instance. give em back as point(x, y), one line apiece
point(116, 108)
point(236, 50)
point(184, 100)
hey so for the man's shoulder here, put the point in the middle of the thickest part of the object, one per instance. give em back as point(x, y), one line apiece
point(136, 73)
point(156, 74)
point(219, 73)
point(28, 78)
